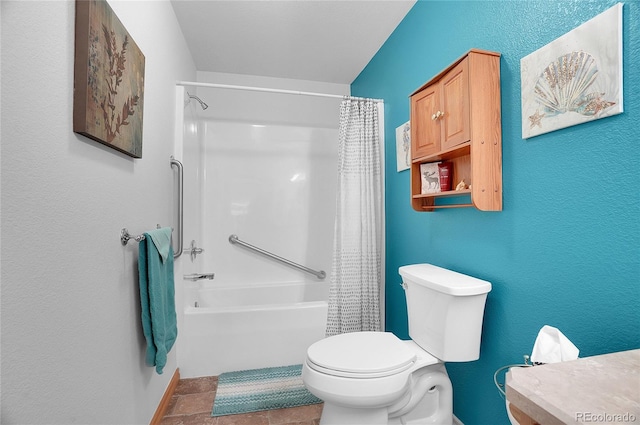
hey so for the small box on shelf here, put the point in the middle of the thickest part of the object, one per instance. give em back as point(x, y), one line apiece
point(430, 177)
point(445, 173)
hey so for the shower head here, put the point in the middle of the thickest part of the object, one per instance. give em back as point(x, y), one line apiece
point(204, 105)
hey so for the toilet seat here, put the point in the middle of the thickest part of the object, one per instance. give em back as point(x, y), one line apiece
point(361, 355)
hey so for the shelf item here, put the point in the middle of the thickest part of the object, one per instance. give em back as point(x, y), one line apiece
point(430, 178)
point(455, 117)
point(445, 170)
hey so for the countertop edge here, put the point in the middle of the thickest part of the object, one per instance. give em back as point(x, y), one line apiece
point(539, 391)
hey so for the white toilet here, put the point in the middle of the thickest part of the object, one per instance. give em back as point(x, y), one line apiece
point(369, 378)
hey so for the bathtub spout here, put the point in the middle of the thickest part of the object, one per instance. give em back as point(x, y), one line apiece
point(198, 276)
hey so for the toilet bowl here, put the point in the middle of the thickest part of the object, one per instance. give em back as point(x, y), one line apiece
point(379, 380)
point(374, 378)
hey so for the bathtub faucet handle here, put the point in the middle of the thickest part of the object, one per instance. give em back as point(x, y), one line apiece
point(198, 276)
point(193, 250)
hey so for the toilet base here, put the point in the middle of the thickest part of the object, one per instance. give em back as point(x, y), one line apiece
point(339, 415)
point(429, 400)
point(333, 414)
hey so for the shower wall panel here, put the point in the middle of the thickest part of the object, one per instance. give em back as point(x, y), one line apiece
point(274, 186)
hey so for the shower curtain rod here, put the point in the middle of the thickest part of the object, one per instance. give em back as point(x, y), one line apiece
point(264, 89)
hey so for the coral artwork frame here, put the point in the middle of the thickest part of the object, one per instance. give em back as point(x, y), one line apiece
point(403, 146)
point(108, 92)
point(576, 78)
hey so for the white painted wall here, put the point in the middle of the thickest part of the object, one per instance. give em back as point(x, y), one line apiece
point(72, 344)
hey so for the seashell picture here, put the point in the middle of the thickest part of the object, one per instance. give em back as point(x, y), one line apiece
point(574, 79)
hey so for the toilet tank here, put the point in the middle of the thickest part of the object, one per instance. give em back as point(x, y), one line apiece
point(445, 310)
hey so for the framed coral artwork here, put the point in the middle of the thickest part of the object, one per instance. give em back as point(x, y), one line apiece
point(576, 78)
point(108, 87)
point(403, 146)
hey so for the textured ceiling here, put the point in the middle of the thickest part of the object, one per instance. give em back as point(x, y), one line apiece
point(316, 40)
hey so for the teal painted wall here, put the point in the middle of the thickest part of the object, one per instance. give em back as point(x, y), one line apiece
point(565, 250)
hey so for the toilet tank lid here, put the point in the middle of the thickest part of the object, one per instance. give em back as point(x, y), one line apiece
point(444, 280)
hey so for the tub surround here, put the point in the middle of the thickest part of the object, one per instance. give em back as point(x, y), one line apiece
point(604, 388)
point(260, 166)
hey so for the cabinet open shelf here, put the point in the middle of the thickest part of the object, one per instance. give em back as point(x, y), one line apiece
point(447, 194)
point(427, 201)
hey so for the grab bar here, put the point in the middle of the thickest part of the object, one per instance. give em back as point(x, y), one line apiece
point(178, 164)
point(233, 239)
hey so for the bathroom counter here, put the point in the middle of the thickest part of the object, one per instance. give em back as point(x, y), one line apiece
point(598, 389)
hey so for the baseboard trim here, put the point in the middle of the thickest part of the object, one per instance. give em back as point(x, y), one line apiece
point(161, 411)
point(456, 421)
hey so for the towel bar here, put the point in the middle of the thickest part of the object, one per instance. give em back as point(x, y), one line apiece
point(125, 236)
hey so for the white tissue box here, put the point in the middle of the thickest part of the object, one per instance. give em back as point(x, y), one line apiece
point(551, 346)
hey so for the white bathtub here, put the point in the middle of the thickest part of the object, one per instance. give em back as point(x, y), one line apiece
point(237, 327)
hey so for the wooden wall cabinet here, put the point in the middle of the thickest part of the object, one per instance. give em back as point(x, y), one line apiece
point(455, 117)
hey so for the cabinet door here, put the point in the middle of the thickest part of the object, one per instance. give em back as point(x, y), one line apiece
point(425, 131)
point(455, 106)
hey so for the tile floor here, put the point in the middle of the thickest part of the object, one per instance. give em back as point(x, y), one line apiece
point(192, 402)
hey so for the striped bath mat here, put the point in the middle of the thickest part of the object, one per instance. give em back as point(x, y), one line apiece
point(261, 389)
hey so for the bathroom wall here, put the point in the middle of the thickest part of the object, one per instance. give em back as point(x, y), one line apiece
point(72, 344)
point(565, 251)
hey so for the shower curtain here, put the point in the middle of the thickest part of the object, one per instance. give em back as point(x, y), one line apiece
point(354, 295)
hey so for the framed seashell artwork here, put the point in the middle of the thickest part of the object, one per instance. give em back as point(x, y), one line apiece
point(576, 78)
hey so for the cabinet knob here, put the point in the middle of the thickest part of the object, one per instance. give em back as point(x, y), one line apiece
point(434, 116)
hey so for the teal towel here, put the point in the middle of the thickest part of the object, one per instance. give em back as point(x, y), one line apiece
point(162, 240)
point(157, 297)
